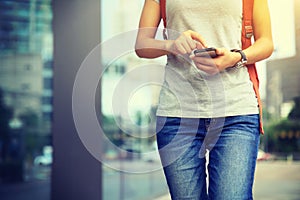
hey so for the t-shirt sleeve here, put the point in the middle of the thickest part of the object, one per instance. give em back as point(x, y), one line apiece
point(157, 1)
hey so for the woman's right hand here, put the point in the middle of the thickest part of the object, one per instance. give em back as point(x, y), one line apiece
point(186, 43)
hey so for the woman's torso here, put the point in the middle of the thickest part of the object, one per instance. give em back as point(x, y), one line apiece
point(189, 92)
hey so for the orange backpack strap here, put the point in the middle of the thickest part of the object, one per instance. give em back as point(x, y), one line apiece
point(163, 16)
point(247, 32)
point(163, 12)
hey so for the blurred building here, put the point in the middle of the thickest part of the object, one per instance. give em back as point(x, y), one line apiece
point(26, 46)
point(21, 82)
point(283, 75)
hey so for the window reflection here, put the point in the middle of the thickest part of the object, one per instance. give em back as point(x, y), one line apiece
point(132, 168)
point(26, 46)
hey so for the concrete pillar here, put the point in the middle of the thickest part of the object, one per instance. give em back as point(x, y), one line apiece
point(76, 174)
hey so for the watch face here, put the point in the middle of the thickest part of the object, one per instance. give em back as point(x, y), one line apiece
point(240, 64)
point(244, 61)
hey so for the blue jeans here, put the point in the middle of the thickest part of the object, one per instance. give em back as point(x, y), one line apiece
point(232, 143)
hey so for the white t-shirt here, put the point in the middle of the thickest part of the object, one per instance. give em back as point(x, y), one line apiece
point(189, 92)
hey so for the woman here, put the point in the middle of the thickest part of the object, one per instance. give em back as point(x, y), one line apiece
point(206, 104)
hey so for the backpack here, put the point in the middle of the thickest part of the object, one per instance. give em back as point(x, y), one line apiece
point(247, 33)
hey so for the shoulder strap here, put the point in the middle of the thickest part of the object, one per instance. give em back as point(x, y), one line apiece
point(163, 11)
point(163, 16)
point(247, 30)
point(247, 33)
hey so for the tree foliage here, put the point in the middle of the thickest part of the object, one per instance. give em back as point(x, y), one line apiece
point(295, 112)
point(284, 136)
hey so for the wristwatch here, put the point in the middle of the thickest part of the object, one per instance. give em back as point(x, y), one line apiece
point(243, 61)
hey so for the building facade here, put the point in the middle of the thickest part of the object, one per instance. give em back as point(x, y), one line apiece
point(21, 82)
point(26, 46)
point(283, 75)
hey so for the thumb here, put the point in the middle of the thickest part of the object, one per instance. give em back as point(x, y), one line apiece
point(196, 36)
point(220, 51)
point(200, 46)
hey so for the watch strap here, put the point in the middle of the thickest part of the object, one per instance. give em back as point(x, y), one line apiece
point(243, 55)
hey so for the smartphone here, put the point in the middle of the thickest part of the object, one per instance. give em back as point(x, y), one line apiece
point(207, 52)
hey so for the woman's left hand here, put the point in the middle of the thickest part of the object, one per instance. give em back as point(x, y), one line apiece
point(213, 66)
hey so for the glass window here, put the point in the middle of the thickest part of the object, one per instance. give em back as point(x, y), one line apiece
point(132, 168)
point(25, 123)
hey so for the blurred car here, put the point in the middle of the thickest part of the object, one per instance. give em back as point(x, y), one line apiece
point(111, 154)
point(264, 156)
point(46, 158)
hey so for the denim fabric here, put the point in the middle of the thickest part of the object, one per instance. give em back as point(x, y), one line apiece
point(232, 143)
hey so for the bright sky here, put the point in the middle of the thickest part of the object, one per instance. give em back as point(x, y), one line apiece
point(283, 27)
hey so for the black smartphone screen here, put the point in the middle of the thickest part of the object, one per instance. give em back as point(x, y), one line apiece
point(207, 52)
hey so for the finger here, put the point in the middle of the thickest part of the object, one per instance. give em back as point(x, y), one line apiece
point(186, 46)
point(181, 49)
point(203, 61)
point(208, 69)
point(220, 51)
point(196, 36)
point(192, 44)
point(192, 56)
point(187, 43)
point(199, 45)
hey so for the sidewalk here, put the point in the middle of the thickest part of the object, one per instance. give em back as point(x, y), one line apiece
point(165, 197)
point(39, 190)
point(273, 180)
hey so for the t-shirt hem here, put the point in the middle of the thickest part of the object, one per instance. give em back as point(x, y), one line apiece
point(205, 115)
